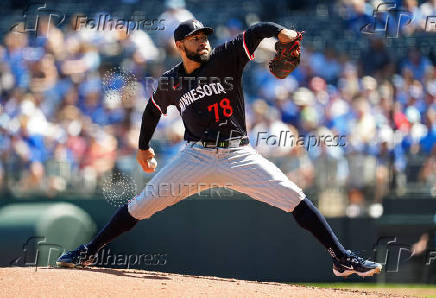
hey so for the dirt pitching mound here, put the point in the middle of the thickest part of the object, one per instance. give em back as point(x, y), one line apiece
point(105, 282)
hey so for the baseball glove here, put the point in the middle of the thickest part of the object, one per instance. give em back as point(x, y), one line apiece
point(287, 57)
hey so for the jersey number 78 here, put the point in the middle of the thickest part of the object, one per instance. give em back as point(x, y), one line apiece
point(225, 106)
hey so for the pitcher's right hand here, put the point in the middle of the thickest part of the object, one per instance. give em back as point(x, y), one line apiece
point(143, 157)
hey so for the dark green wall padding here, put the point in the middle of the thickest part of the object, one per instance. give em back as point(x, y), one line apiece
point(223, 236)
point(50, 228)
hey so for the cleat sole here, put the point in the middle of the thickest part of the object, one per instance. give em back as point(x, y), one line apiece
point(346, 273)
point(65, 265)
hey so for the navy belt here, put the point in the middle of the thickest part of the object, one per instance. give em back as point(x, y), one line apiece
point(224, 144)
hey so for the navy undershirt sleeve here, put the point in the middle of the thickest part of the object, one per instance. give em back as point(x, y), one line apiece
point(255, 33)
point(150, 119)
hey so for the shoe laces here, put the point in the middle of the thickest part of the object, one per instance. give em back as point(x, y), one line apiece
point(79, 253)
point(354, 258)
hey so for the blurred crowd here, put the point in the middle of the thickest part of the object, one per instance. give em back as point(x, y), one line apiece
point(72, 102)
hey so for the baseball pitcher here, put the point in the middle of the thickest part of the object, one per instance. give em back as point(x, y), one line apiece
point(206, 88)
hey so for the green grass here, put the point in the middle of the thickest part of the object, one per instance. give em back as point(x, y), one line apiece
point(419, 290)
point(344, 285)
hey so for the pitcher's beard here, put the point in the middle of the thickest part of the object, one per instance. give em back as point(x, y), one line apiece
point(200, 58)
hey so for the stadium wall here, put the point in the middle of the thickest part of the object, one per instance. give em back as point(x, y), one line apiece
point(234, 238)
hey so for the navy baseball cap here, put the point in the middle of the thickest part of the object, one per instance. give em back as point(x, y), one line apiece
point(190, 27)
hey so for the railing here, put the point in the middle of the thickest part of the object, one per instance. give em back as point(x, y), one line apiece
point(347, 185)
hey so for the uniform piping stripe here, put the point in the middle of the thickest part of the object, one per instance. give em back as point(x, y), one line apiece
point(251, 57)
point(157, 106)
